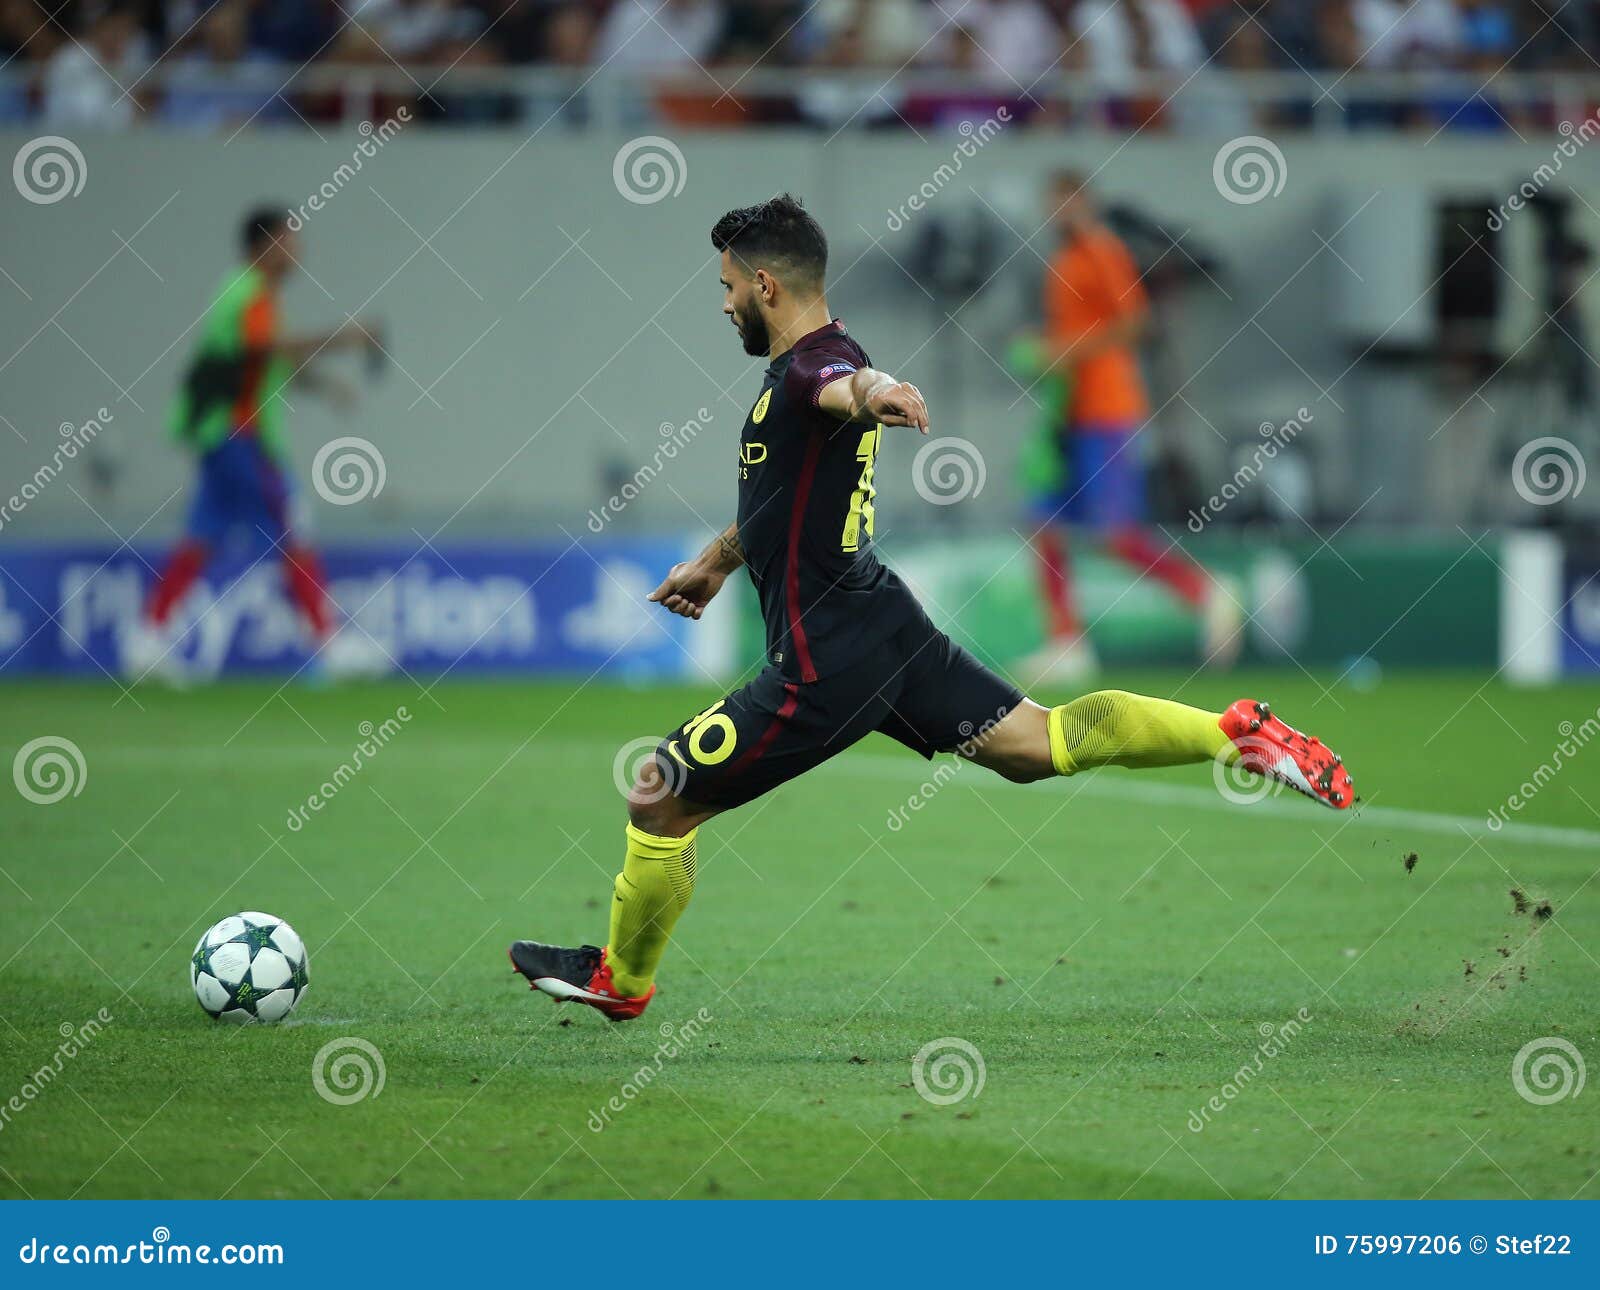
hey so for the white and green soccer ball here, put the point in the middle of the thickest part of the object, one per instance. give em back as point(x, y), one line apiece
point(249, 967)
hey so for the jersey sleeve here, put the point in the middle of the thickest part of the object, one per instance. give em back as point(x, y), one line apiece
point(815, 369)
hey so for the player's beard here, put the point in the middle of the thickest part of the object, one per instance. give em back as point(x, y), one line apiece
point(753, 332)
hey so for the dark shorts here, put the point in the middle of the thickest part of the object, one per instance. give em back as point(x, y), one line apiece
point(918, 687)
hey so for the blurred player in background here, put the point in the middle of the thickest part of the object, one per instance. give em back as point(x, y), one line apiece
point(229, 413)
point(1084, 469)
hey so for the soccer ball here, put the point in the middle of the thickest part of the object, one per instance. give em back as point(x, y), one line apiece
point(250, 967)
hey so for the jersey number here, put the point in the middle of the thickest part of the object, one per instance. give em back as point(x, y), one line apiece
point(696, 730)
point(860, 516)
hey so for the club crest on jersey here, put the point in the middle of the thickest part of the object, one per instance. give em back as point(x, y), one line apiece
point(760, 409)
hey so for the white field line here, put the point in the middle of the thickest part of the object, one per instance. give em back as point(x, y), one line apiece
point(1114, 785)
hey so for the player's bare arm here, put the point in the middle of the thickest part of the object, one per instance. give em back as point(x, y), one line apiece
point(354, 333)
point(873, 396)
point(688, 587)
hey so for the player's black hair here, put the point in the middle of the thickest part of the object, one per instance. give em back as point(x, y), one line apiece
point(262, 225)
point(779, 235)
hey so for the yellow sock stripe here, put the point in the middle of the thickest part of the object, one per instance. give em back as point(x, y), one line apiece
point(1060, 758)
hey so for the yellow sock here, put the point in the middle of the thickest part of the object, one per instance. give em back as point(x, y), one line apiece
point(653, 888)
point(1115, 728)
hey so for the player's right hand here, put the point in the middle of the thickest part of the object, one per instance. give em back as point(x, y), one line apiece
point(688, 588)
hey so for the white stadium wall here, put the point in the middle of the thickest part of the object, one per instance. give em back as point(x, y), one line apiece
point(545, 330)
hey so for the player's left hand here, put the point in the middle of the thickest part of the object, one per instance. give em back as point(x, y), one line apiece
point(900, 404)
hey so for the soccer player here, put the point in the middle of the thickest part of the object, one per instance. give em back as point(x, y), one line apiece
point(1089, 472)
point(229, 413)
point(849, 649)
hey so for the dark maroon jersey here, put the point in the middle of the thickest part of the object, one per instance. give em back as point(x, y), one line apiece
point(806, 516)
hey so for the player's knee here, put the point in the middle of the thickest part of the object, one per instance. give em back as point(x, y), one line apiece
point(652, 806)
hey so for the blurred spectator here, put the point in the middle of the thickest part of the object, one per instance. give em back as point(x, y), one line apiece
point(416, 31)
point(835, 103)
point(948, 109)
point(1124, 37)
point(756, 32)
point(198, 89)
point(27, 40)
point(658, 35)
point(83, 85)
point(1556, 34)
point(1214, 102)
point(1481, 42)
point(887, 33)
point(293, 30)
point(1018, 40)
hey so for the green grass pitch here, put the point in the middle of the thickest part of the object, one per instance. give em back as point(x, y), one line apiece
point(1114, 947)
